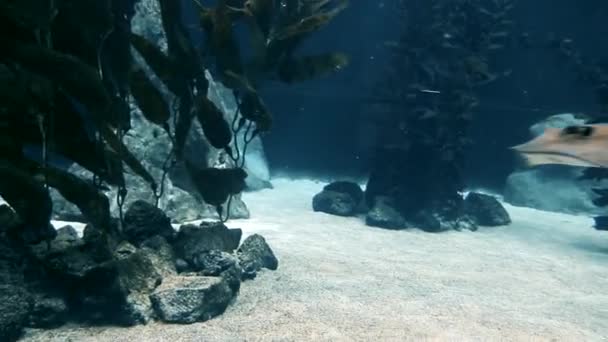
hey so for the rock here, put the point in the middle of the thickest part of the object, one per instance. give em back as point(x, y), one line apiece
point(12, 256)
point(67, 237)
point(71, 265)
point(117, 291)
point(335, 203)
point(350, 188)
point(48, 312)
point(437, 222)
point(17, 304)
point(384, 215)
point(339, 198)
point(8, 219)
point(161, 254)
point(553, 188)
point(189, 299)
point(143, 220)
point(486, 210)
point(192, 240)
point(255, 254)
point(112, 291)
point(219, 264)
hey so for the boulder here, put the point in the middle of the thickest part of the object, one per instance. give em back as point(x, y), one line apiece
point(9, 220)
point(143, 221)
point(351, 188)
point(189, 299)
point(48, 311)
point(192, 240)
point(486, 210)
point(219, 264)
point(437, 222)
point(161, 255)
point(17, 304)
point(117, 291)
point(335, 203)
point(255, 254)
point(384, 215)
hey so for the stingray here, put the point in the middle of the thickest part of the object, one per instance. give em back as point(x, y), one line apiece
point(581, 145)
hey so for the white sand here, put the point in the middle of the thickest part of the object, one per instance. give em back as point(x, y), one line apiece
point(542, 278)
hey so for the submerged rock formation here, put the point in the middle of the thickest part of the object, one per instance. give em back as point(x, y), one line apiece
point(151, 272)
point(347, 199)
point(339, 198)
point(486, 210)
point(152, 146)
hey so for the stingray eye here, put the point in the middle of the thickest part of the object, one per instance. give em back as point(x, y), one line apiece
point(580, 131)
point(587, 131)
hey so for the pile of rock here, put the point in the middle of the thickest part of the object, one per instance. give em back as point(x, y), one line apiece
point(348, 199)
point(145, 271)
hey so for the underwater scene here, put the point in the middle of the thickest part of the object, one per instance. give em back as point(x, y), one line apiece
point(303, 170)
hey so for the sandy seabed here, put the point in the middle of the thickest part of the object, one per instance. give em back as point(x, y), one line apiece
point(542, 278)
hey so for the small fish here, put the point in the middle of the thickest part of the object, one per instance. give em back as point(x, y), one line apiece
point(583, 145)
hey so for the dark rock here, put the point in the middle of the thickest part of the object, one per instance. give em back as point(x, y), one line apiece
point(35, 234)
point(212, 263)
point(255, 254)
point(117, 291)
point(436, 222)
point(219, 264)
point(67, 237)
point(335, 203)
point(70, 266)
point(384, 215)
point(161, 254)
point(48, 312)
point(189, 299)
point(9, 220)
point(12, 257)
point(17, 304)
point(350, 188)
point(193, 240)
point(486, 210)
point(143, 220)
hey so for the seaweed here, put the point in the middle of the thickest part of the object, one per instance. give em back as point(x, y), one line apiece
point(68, 76)
point(444, 54)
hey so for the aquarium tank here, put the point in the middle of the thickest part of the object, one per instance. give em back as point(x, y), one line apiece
point(303, 170)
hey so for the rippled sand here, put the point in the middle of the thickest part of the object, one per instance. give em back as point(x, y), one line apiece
point(545, 277)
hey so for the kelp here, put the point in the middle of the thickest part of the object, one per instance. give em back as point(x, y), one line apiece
point(67, 76)
point(444, 54)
